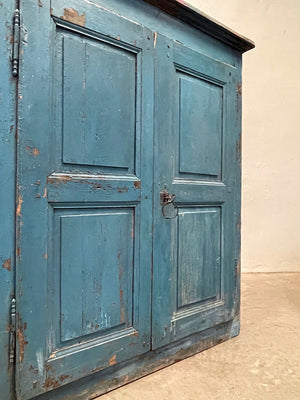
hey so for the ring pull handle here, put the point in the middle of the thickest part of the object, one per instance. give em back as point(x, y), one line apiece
point(168, 206)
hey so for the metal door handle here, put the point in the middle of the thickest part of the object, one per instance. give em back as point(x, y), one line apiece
point(168, 206)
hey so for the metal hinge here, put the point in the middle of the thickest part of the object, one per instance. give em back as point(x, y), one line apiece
point(12, 335)
point(16, 43)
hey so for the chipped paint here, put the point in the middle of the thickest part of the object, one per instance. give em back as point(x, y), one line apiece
point(63, 377)
point(122, 189)
point(19, 205)
point(155, 39)
point(112, 360)
point(73, 16)
point(59, 179)
point(45, 193)
point(121, 272)
point(96, 186)
point(7, 264)
point(48, 367)
point(137, 184)
point(239, 89)
point(21, 338)
point(9, 38)
point(18, 251)
point(51, 383)
point(122, 314)
point(32, 151)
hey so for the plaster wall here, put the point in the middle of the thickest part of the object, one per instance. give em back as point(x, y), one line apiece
point(271, 131)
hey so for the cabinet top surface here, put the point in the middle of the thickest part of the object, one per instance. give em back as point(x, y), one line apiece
point(187, 13)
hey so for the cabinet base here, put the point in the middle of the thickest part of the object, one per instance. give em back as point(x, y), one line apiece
point(102, 382)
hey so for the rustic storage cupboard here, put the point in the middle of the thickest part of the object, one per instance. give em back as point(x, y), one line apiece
point(125, 256)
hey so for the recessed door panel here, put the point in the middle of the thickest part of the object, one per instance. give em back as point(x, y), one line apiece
point(201, 116)
point(99, 103)
point(96, 255)
point(199, 256)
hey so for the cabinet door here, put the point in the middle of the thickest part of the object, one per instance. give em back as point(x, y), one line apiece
point(84, 193)
point(197, 176)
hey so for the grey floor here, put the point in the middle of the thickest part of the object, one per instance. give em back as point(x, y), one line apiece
point(262, 363)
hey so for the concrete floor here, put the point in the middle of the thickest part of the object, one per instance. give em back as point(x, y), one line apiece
point(262, 363)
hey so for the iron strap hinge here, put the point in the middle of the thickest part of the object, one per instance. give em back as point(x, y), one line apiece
point(16, 43)
point(12, 332)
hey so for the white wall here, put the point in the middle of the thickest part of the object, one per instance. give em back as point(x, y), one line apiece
point(271, 129)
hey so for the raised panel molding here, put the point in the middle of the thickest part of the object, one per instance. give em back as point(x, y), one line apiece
point(99, 103)
point(199, 256)
point(200, 127)
point(96, 255)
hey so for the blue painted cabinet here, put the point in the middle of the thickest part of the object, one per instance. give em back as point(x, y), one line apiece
point(127, 192)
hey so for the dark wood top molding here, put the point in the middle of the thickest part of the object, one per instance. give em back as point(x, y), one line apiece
point(187, 13)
